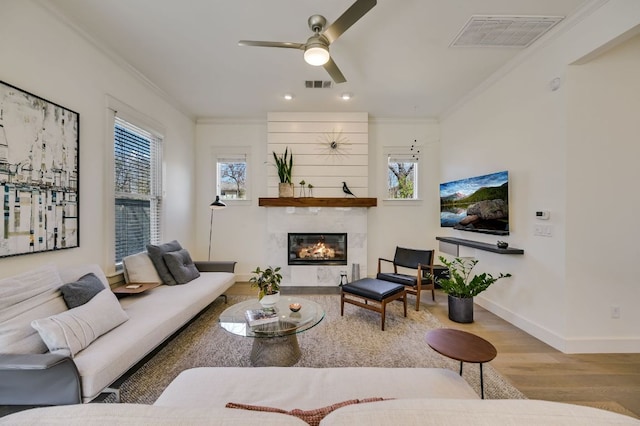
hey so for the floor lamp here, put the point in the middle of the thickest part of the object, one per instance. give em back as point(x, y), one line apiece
point(216, 205)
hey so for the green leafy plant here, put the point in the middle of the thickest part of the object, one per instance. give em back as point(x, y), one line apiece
point(284, 165)
point(460, 283)
point(267, 280)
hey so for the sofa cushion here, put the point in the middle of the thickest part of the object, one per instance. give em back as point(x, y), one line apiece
point(138, 414)
point(80, 292)
point(483, 412)
point(181, 266)
point(156, 255)
point(23, 298)
point(69, 332)
point(216, 386)
point(311, 417)
point(138, 268)
point(70, 274)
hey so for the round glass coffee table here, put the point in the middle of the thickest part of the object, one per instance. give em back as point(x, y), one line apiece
point(274, 344)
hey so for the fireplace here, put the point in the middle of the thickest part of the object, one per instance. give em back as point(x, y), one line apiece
point(317, 249)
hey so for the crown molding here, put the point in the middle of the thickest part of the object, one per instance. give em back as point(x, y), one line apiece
point(231, 120)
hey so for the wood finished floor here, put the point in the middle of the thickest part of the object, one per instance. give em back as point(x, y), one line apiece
point(607, 381)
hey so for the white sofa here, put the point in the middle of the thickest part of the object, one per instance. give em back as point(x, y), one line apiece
point(153, 316)
point(419, 396)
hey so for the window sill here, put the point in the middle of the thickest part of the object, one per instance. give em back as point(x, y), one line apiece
point(402, 201)
point(237, 202)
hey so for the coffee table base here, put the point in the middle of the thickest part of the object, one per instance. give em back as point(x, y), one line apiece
point(275, 351)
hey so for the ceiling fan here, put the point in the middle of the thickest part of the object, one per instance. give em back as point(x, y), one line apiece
point(316, 49)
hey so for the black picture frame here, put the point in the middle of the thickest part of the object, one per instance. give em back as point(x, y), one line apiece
point(39, 174)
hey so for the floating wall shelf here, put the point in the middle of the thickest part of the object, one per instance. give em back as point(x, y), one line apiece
point(480, 246)
point(317, 202)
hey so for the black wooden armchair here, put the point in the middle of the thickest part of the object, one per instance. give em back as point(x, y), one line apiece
point(421, 261)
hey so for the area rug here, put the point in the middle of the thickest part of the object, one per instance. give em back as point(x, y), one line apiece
point(354, 340)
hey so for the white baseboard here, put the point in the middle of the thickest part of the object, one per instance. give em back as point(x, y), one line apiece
point(582, 345)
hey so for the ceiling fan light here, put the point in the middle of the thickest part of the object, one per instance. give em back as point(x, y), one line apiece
point(316, 55)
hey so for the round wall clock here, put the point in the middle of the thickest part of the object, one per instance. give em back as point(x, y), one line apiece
point(334, 143)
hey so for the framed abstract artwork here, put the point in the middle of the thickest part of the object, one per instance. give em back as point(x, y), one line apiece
point(39, 174)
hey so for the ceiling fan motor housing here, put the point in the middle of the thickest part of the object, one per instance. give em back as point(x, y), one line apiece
point(317, 23)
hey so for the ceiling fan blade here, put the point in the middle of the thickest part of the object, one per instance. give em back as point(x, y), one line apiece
point(284, 44)
point(348, 18)
point(334, 71)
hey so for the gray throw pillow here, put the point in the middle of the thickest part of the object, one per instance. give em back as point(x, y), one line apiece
point(156, 253)
point(80, 292)
point(181, 266)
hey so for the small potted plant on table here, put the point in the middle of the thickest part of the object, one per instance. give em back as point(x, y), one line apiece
point(462, 287)
point(268, 283)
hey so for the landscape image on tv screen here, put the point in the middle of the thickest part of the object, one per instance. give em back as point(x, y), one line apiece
point(478, 204)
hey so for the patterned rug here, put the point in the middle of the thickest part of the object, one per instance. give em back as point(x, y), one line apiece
point(354, 340)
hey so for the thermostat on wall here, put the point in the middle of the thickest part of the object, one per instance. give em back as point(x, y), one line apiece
point(542, 214)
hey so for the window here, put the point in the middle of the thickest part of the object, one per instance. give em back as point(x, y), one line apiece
point(231, 176)
point(402, 178)
point(138, 181)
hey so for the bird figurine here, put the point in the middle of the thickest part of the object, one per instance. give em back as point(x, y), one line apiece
point(346, 190)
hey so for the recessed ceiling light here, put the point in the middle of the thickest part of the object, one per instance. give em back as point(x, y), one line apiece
point(346, 96)
point(288, 96)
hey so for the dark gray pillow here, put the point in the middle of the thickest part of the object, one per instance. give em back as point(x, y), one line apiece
point(156, 253)
point(80, 292)
point(181, 266)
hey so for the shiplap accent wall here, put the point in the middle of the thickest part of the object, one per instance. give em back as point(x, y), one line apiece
point(308, 136)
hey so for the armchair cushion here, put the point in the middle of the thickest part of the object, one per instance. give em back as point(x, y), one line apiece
point(407, 280)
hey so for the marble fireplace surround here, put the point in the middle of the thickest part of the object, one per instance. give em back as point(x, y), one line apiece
point(282, 220)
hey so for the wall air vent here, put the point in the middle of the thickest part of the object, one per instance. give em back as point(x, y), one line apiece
point(503, 31)
point(318, 84)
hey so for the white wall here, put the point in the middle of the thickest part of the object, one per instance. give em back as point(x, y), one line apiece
point(307, 136)
point(45, 57)
point(602, 196)
point(519, 124)
point(405, 223)
point(240, 229)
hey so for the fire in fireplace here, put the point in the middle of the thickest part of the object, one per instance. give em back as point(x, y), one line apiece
point(313, 249)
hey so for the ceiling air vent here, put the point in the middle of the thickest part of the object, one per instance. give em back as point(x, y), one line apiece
point(503, 31)
point(318, 84)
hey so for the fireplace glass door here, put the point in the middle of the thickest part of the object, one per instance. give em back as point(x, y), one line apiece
point(317, 248)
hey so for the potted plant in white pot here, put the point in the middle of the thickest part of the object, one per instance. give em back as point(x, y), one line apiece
point(268, 283)
point(461, 287)
point(284, 165)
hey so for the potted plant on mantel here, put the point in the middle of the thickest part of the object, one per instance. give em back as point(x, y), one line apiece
point(284, 165)
point(462, 287)
point(268, 282)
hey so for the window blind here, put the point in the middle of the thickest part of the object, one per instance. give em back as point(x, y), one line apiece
point(138, 188)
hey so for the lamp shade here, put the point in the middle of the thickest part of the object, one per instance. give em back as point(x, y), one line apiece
point(217, 204)
point(316, 54)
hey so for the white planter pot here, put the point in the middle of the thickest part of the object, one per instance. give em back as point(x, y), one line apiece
point(270, 299)
point(285, 190)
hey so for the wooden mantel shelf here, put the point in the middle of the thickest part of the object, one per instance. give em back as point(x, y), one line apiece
point(317, 202)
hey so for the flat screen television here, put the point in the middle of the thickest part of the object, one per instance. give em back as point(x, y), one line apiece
point(477, 204)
